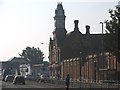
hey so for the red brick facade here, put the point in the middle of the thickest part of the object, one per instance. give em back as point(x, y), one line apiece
point(91, 70)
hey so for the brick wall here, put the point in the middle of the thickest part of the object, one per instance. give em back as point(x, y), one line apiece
point(92, 69)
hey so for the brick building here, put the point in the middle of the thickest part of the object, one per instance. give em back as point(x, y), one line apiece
point(71, 52)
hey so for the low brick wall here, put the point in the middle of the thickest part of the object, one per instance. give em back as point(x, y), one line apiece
point(78, 84)
point(55, 81)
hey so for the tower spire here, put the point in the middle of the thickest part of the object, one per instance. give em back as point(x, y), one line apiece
point(59, 10)
point(59, 18)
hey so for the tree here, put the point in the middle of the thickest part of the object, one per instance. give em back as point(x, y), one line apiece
point(32, 55)
point(113, 31)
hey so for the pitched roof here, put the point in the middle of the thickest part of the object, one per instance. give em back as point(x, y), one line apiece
point(76, 42)
point(17, 59)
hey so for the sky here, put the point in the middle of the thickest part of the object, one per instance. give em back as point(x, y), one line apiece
point(30, 22)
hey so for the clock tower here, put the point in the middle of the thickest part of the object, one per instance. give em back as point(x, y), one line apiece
point(59, 17)
point(60, 32)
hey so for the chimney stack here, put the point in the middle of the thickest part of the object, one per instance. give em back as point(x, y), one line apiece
point(76, 25)
point(87, 29)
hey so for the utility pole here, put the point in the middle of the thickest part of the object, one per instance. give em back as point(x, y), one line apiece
point(102, 53)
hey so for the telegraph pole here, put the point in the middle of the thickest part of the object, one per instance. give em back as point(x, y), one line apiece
point(102, 52)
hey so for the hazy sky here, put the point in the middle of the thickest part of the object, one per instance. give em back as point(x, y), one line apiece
point(30, 22)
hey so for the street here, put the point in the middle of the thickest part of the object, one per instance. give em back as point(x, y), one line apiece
point(30, 84)
point(34, 85)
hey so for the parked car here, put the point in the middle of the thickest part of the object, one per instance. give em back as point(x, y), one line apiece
point(9, 78)
point(19, 79)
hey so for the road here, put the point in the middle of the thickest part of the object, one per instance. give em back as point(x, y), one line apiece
point(34, 85)
point(30, 84)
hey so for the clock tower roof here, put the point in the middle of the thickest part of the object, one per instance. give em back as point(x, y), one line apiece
point(59, 6)
point(59, 10)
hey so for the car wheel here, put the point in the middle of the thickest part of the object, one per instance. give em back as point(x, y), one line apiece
point(24, 83)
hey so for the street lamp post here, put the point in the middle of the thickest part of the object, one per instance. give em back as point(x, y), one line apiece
point(102, 52)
